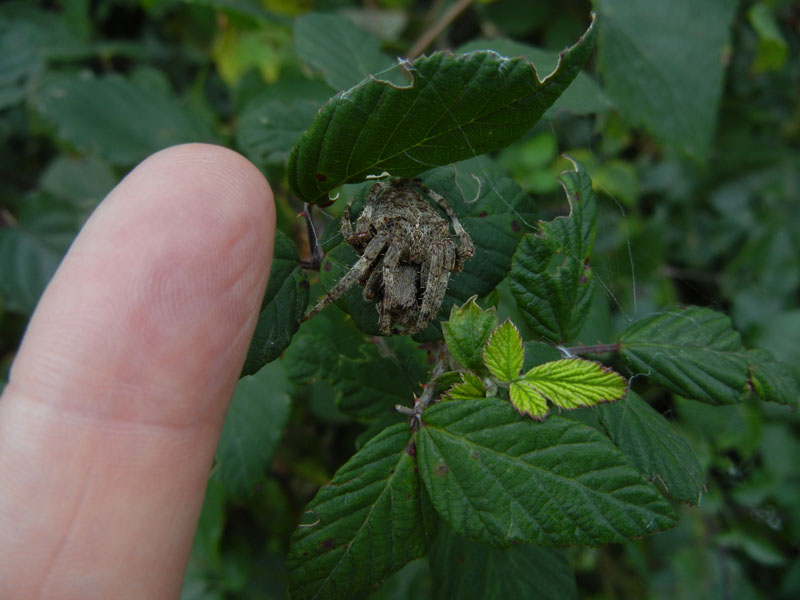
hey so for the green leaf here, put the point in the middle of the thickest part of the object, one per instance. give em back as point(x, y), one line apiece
point(467, 331)
point(654, 445)
point(455, 107)
point(401, 367)
point(503, 354)
point(31, 251)
point(267, 130)
point(258, 412)
point(693, 352)
point(493, 210)
point(771, 380)
point(498, 478)
point(369, 521)
point(663, 65)
point(583, 96)
point(470, 388)
point(121, 120)
point(570, 383)
point(334, 45)
point(20, 61)
point(772, 47)
point(284, 303)
point(550, 277)
point(471, 571)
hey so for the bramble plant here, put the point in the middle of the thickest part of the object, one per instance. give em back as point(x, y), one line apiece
point(492, 437)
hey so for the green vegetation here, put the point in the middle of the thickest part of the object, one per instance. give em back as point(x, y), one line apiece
point(605, 405)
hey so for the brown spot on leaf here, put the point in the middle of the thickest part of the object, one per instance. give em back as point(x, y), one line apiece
point(304, 284)
point(442, 470)
point(483, 214)
point(328, 544)
point(411, 449)
point(515, 227)
point(327, 266)
point(320, 177)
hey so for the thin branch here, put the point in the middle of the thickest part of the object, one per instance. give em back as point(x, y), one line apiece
point(429, 35)
point(428, 393)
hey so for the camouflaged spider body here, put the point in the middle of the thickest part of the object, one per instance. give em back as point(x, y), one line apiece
point(406, 254)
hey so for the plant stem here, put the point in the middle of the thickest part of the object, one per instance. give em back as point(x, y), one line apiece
point(429, 35)
point(428, 392)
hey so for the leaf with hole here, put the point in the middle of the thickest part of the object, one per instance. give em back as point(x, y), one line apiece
point(454, 107)
point(550, 278)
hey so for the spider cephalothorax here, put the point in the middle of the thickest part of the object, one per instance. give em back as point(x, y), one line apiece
point(406, 254)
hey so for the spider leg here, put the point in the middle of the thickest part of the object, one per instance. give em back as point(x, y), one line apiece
point(436, 284)
point(466, 249)
point(356, 272)
point(390, 262)
point(346, 225)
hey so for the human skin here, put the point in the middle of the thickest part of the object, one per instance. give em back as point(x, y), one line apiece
point(116, 399)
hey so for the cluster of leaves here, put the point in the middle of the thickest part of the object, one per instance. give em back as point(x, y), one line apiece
point(690, 133)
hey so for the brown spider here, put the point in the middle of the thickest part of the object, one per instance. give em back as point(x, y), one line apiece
point(406, 254)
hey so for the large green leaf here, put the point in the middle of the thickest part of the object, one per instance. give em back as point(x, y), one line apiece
point(663, 65)
point(471, 571)
point(257, 414)
point(284, 303)
point(550, 277)
point(121, 120)
point(333, 44)
point(454, 107)
point(369, 521)
point(654, 445)
point(583, 96)
point(493, 210)
point(500, 479)
point(692, 351)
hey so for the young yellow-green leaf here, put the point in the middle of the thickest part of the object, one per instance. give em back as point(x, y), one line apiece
point(503, 355)
point(527, 399)
point(470, 387)
point(467, 331)
point(569, 383)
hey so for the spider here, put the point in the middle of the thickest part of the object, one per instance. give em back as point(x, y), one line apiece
point(406, 254)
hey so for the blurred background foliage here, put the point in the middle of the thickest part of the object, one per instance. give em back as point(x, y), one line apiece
point(688, 121)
